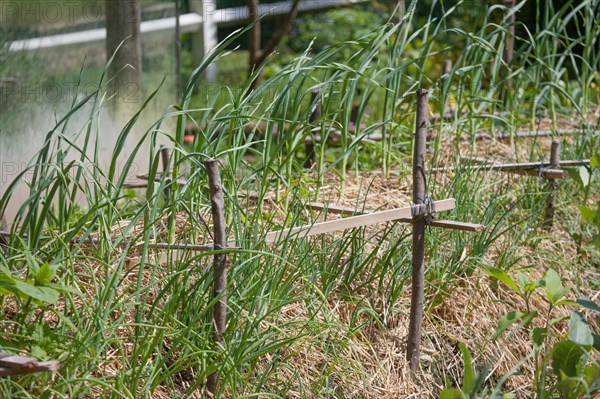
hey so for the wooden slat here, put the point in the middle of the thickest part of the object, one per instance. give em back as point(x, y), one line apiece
point(454, 225)
point(185, 247)
point(447, 224)
point(355, 221)
point(15, 365)
point(526, 168)
point(524, 165)
point(545, 173)
point(143, 183)
point(337, 209)
point(539, 133)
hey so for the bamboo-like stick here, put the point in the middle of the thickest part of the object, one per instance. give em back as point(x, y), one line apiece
point(346, 210)
point(331, 208)
point(219, 261)
point(552, 186)
point(186, 247)
point(528, 165)
point(361, 220)
point(531, 133)
point(545, 173)
point(413, 346)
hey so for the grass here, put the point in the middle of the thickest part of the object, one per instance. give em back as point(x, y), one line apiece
point(324, 317)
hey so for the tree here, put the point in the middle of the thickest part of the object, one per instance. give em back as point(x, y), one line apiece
point(259, 55)
point(123, 19)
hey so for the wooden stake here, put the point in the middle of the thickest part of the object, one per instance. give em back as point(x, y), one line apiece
point(165, 155)
point(447, 67)
point(315, 116)
point(552, 186)
point(219, 261)
point(418, 251)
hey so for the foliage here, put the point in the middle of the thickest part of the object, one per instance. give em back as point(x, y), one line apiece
point(584, 176)
point(574, 369)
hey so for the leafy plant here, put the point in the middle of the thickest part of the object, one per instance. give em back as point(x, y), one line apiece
point(574, 371)
point(590, 215)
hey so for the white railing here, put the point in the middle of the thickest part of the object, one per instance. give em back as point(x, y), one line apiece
point(189, 23)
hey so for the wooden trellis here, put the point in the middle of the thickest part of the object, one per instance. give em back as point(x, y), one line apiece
point(419, 214)
point(551, 170)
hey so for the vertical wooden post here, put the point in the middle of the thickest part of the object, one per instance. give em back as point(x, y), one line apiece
point(509, 46)
point(552, 186)
point(219, 260)
point(447, 67)
point(165, 156)
point(315, 116)
point(123, 19)
point(418, 250)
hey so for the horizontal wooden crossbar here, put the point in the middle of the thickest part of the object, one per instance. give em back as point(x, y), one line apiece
point(361, 220)
point(533, 133)
point(545, 173)
point(17, 365)
point(540, 169)
point(337, 209)
point(447, 224)
point(187, 247)
point(524, 165)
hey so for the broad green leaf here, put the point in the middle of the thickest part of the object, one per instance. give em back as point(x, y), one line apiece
point(469, 374)
point(526, 283)
point(555, 320)
point(538, 336)
point(38, 352)
point(566, 302)
point(553, 284)
point(592, 375)
point(566, 356)
point(588, 304)
point(596, 341)
point(589, 215)
point(44, 275)
point(595, 161)
point(579, 330)
point(570, 387)
point(581, 175)
point(43, 294)
point(64, 288)
point(36, 332)
point(528, 317)
point(451, 393)
point(506, 321)
point(505, 278)
point(523, 279)
point(7, 279)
